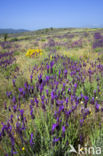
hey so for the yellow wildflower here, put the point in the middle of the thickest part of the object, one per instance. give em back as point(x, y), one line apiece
point(81, 149)
point(81, 102)
point(23, 148)
point(50, 57)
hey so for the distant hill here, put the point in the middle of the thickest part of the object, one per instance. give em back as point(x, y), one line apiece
point(12, 31)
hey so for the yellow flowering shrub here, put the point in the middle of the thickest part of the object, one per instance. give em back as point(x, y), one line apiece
point(33, 52)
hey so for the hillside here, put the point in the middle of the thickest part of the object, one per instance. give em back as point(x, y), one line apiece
point(9, 31)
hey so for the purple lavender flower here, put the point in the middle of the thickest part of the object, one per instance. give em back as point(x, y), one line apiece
point(47, 79)
point(13, 81)
point(81, 122)
point(61, 108)
point(32, 102)
point(65, 73)
point(42, 98)
point(97, 35)
point(63, 129)
point(26, 85)
point(11, 118)
point(54, 126)
point(81, 139)
point(51, 66)
point(47, 68)
point(31, 139)
point(9, 109)
point(56, 140)
point(92, 100)
point(31, 113)
point(40, 78)
point(36, 101)
point(31, 77)
point(15, 108)
point(14, 99)
point(67, 100)
point(68, 113)
point(81, 96)
point(86, 99)
point(97, 107)
point(41, 89)
point(5, 105)
point(21, 90)
point(47, 92)
point(51, 43)
point(75, 85)
point(52, 97)
point(21, 113)
point(8, 94)
point(69, 91)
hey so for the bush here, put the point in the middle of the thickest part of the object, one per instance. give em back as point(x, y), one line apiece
point(14, 39)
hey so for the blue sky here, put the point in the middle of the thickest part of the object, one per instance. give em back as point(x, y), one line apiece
point(37, 14)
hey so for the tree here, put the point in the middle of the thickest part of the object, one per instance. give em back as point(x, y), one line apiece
point(5, 37)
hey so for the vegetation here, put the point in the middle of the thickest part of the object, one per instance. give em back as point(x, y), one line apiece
point(53, 98)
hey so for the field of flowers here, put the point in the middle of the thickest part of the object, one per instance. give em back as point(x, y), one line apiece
point(51, 92)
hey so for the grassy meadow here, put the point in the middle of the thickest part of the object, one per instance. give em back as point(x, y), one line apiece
point(52, 97)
